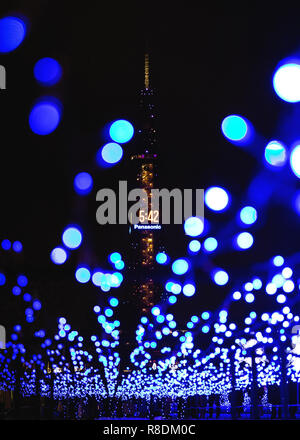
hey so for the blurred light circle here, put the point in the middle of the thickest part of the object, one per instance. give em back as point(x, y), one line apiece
point(119, 265)
point(22, 280)
point(236, 295)
point(175, 288)
point(244, 240)
point(58, 255)
point(97, 278)
point(248, 215)
point(155, 311)
point(221, 277)
point(83, 183)
point(161, 258)
point(47, 71)
point(72, 237)
point(286, 82)
point(216, 198)
point(6, 244)
point(12, 33)
point(180, 266)
point(193, 226)
point(278, 260)
point(295, 160)
point(82, 275)
point(210, 244)
point(188, 290)
point(2, 279)
point(112, 153)
point(281, 299)
point(44, 117)
point(121, 131)
point(194, 246)
point(275, 153)
point(234, 127)
point(113, 302)
point(249, 298)
point(17, 246)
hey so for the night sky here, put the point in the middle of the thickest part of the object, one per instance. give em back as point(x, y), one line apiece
point(204, 65)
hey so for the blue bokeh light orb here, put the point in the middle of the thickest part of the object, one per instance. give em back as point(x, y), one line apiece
point(45, 116)
point(295, 160)
point(193, 226)
point(115, 257)
point(83, 183)
point(275, 153)
point(188, 290)
point(12, 33)
point(220, 277)
point(2, 279)
point(17, 246)
point(6, 244)
point(216, 198)
point(234, 127)
point(286, 82)
point(296, 202)
point(111, 153)
point(83, 275)
point(121, 131)
point(161, 258)
point(244, 240)
point(210, 244)
point(47, 71)
point(72, 237)
point(194, 246)
point(180, 266)
point(58, 255)
point(248, 215)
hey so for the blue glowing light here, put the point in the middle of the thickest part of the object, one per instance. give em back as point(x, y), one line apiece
point(27, 297)
point(278, 261)
point(193, 226)
point(83, 183)
point(295, 160)
point(216, 198)
point(72, 237)
point(37, 305)
point(119, 265)
point(6, 244)
point(47, 71)
point(155, 311)
point(2, 279)
point(172, 299)
point(175, 288)
point(249, 298)
point(111, 153)
point(220, 277)
point(275, 153)
point(45, 117)
point(210, 244)
point(83, 275)
point(189, 289)
point(108, 312)
point(22, 280)
point(121, 131)
point(236, 295)
point(161, 258)
point(205, 329)
point(281, 299)
point(286, 82)
point(205, 315)
point(244, 240)
point(234, 128)
point(297, 202)
point(180, 266)
point(16, 290)
point(114, 257)
point(248, 215)
point(194, 246)
point(12, 33)
point(17, 246)
point(113, 302)
point(58, 255)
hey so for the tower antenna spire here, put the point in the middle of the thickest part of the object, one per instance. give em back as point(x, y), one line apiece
point(146, 71)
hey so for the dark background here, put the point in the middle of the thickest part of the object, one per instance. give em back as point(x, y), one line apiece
point(205, 63)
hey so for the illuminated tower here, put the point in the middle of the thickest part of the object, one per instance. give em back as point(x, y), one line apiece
point(144, 235)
